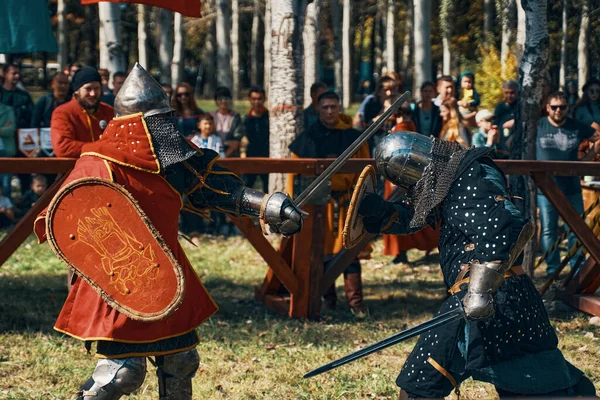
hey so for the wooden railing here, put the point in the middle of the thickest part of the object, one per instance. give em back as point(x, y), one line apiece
point(297, 263)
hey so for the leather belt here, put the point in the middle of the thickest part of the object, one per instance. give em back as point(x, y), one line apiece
point(515, 270)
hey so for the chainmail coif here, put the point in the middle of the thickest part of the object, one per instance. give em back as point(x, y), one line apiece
point(437, 180)
point(169, 145)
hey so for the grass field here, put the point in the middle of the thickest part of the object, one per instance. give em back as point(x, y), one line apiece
point(246, 351)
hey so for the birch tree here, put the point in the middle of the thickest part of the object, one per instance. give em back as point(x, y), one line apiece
point(582, 46)
point(254, 43)
point(562, 75)
point(224, 77)
point(102, 47)
point(62, 33)
point(310, 36)
point(286, 88)
point(407, 44)
point(109, 15)
point(505, 10)
point(422, 35)
point(142, 36)
point(533, 69)
point(336, 27)
point(177, 65)
point(267, 48)
point(347, 63)
point(165, 47)
point(446, 25)
point(390, 26)
point(209, 61)
point(235, 49)
point(488, 18)
point(521, 34)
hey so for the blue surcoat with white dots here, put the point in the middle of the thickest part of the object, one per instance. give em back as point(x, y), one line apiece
point(479, 222)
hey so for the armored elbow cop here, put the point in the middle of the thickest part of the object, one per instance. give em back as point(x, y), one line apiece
point(484, 281)
point(277, 211)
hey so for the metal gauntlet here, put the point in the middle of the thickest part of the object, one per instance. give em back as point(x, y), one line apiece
point(484, 281)
point(277, 210)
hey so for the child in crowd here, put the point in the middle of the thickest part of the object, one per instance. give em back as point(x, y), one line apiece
point(7, 213)
point(207, 137)
point(38, 186)
point(468, 98)
point(488, 133)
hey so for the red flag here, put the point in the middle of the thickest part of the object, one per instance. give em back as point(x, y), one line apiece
point(189, 8)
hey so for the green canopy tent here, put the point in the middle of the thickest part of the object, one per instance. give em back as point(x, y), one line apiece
point(25, 27)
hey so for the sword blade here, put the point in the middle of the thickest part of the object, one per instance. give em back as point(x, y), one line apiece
point(349, 152)
point(436, 321)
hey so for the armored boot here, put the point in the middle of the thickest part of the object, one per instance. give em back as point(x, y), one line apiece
point(330, 298)
point(114, 378)
point(175, 373)
point(353, 289)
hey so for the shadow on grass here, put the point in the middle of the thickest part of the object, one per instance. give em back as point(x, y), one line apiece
point(32, 303)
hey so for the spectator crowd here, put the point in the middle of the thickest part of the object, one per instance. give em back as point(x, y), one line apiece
point(80, 104)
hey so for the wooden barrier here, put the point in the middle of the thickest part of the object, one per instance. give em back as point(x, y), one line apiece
point(295, 277)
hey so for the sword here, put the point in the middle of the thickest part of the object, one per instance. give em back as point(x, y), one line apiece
point(434, 322)
point(353, 148)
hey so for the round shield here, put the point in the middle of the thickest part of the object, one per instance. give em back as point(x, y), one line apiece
point(98, 229)
point(354, 229)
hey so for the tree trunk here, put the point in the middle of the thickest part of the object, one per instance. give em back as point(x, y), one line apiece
point(377, 38)
point(286, 90)
point(582, 46)
point(89, 32)
point(521, 32)
point(165, 48)
point(407, 46)
point(109, 15)
point(336, 27)
point(102, 48)
point(310, 36)
point(254, 44)
point(235, 49)
point(506, 12)
point(177, 66)
point(446, 25)
point(62, 34)
point(488, 20)
point(533, 71)
point(346, 55)
point(422, 35)
point(209, 61)
point(267, 48)
point(224, 77)
point(390, 26)
point(142, 37)
point(562, 76)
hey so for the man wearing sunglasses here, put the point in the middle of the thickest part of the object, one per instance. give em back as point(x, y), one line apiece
point(558, 139)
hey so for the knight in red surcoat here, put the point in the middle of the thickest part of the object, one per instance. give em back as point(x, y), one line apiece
point(142, 152)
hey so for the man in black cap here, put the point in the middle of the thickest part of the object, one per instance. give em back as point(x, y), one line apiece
point(82, 119)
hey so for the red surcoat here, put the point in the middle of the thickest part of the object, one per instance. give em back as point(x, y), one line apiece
point(132, 164)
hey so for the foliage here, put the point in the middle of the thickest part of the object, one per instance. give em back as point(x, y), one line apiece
point(489, 78)
point(246, 351)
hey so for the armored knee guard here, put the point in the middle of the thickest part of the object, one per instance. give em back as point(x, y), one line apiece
point(114, 378)
point(175, 373)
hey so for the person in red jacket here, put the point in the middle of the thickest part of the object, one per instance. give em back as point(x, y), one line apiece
point(82, 119)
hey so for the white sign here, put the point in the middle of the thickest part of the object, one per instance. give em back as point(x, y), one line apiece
point(45, 142)
point(29, 141)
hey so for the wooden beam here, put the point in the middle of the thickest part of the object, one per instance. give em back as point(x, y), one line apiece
point(49, 165)
point(278, 265)
point(271, 284)
point(568, 213)
point(341, 261)
point(316, 262)
point(588, 303)
point(11, 242)
point(307, 166)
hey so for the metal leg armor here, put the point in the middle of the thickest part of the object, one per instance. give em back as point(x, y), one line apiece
point(175, 373)
point(114, 378)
